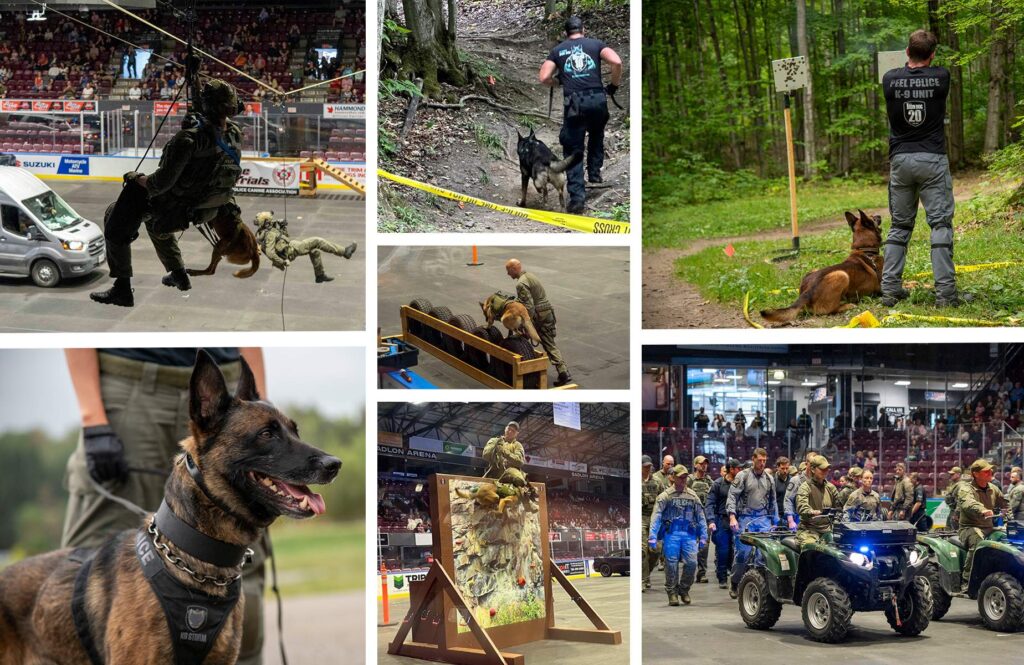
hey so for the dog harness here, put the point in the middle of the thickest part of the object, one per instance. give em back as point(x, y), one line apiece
point(194, 619)
point(498, 303)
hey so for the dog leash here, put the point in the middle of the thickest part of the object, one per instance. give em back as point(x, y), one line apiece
point(142, 512)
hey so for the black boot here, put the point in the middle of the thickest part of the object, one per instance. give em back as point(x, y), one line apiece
point(177, 278)
point(595, 178)
point(323, 278)
point(120, 294)
point(563, 378)
point(350, 250)
point(575, 208)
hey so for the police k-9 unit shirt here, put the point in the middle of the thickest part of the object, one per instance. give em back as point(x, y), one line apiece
point(578, 62)
point(915, 100)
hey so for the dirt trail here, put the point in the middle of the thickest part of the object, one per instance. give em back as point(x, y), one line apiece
point(473, 150)
point(670, 302)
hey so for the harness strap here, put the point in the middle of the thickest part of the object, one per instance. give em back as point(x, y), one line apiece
point(195, 543)
point(221, 143)
point(81, 616)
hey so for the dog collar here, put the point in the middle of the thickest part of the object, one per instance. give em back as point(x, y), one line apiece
point(197, 476)
point(196, 544)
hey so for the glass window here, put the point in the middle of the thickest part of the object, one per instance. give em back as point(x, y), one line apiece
point(52, 211)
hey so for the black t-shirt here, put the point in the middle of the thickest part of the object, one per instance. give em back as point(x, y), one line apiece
point(578, 62)
point(174, 357)
point(920, 496)
point(915, 101)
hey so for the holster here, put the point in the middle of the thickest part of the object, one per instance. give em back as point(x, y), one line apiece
point(123, 218)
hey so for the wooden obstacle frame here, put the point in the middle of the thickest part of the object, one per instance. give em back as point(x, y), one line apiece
point(521, 369)
point(436, 602)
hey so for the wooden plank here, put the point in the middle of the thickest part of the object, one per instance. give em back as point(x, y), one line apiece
point(603, 635)
point(463, 336)
point(585, 635)
point(459, 364)
point(456, 655)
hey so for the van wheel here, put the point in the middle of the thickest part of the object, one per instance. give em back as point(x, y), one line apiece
point(915, 608)
point(45, 273)
point(1001, 603)
point(826, 611)
point(758, 608)
point(940, 599)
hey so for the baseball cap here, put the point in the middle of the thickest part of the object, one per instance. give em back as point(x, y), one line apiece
point(957, 470)
point(679, 470)
point(855, 472)
point(646, 461)
point(699, 459)
point(820, 462)
point(980, 465)
point(732, 463)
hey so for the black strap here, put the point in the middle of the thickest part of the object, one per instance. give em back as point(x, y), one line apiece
point(942, 225)
point(80, 615)
point(901, 243)
point(195, 543)
point(942, 245)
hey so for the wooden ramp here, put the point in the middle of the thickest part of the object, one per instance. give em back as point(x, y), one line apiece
point(340, 176)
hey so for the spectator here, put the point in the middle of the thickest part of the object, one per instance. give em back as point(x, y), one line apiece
point(264, 15)
point(88, 92)
point(870, 463)
point(69, 92)
point(37, 83)
point(135, 92)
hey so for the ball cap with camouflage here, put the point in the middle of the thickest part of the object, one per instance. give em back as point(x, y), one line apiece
point(679, 470)
point(980, 465)
point(513, 424)
point(956, 470)
point(699, 459)
point(217, 94)
point(820, 462)
point(646, 461)
point(855, 472)
point(803, 466)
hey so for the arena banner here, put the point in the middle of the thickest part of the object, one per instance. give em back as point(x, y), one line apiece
point(608, 471)
point(174, 108)
point(390, 438)
point(277, 178)
point(62, 106)
point(575, 567)
point(345, 111)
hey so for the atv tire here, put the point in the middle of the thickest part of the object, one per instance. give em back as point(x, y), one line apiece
point(454, 346)
point(758, 608)
point(503, 371)
point(915, 606)
point(433, 336)
point(1001, 603)
point(826, 611)
point(421, 305)
point(476, 357)
point(940, 599)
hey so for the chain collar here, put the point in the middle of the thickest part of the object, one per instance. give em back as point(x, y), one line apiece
point(177, 562)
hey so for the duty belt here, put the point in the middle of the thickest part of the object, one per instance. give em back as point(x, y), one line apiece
point(175, 377)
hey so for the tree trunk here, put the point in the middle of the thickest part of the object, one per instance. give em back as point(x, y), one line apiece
point(996, 75)
point(550, 8)
point(801, 38)
point(723, 78)
point(432, 53)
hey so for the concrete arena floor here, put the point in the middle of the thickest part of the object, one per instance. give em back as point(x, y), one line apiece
point(587, 286)
point(609, 596)
point(710, 631)
point(220, 302)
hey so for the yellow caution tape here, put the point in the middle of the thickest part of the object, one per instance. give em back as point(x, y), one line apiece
point(746, 311)
point(565, 220)
point(898, 316)
point(863, 320)
point(974, 268)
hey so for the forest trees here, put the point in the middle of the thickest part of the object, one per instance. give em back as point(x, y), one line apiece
point(429, 51)
point(709, 98)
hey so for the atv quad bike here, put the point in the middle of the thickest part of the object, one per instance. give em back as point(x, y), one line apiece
point(863, 567)
point(997, 575)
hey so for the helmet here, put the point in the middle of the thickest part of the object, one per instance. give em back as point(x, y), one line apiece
point(264, 217)
point(573, 24)
point(219, 99)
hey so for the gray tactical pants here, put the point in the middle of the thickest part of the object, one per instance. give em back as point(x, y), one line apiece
point(920, 177)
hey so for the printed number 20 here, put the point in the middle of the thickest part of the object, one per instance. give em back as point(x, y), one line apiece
point(914, 116)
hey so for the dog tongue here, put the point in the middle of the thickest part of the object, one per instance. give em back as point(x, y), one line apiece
point(316, 502)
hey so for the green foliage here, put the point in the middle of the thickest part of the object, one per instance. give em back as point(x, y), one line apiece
point(529, 121)
point(33, 470)
point(398, 217)
point(344, 439)
point(619, 213)
point(393, 33)
point(479, 66)
point(319, 556)
point(488, 140)
point(394, 87)
point(387, 142)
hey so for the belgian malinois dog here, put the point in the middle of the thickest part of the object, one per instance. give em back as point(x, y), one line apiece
point(514, 316)
point(236, 243)
point(537, 163)
point(486, 495)
point(242, 467)
point(823, 291)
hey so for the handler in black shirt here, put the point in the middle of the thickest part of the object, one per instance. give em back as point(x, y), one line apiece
point(915, 100)
point(577, 62)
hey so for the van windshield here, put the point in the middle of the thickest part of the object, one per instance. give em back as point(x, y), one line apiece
point(52, 211)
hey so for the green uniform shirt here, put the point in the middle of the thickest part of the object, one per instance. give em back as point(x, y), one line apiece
point(701, 486)
point(844, 494)
point(973, 501)
point(649, 491)
point(502, 455)
point(1016, 499)
point(813, 496)
point(530, 292)
point(863, 507)
point(660, 476)
point(902, 495)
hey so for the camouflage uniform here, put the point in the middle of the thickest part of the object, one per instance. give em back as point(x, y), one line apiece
point(972, 501)
point(678, 521)
point(531, 294)
point(949, 496)
point(662, 479)
point(811, 496)
point(649, 491)
point(505, 461)
point(902, 497)
point(861, 507)
point(272, 235)
point(851, 486)
point(1016, 498)
point(701, 486)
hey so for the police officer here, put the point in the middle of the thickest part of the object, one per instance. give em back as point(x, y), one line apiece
point(663, 475)
point(915, 101)
point(815, 496)
point(864, 504)
point(853, 476)
point(781, 479)
point(978, 501)
point(949, 496)
point(678, 521)
point(1016, 494)
point(530, 292)
point(751, 507)
point(196, 176)
point(902, 495)
point(506, 457)
point(272, 235)
point(576, 62)
point(650, 488)
point(717, 516)
point(789, 503)
point(700, 483)
point(918, 503)
point(701, 420)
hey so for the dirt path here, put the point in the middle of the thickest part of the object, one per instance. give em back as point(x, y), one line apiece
point(473, 150)
point(671, 302)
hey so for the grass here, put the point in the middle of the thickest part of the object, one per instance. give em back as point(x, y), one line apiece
point(316, 557)
point(677, 227)
point(488, 140)
point(401, 218)
point(984, 233)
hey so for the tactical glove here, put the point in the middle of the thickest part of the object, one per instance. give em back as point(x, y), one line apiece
point(611, 89)
point(104, 454)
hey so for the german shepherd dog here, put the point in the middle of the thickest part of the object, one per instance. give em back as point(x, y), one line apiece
point(536, 162)
point(823, 291)
point(236, 243)
point(514, 316)
point(242, 467)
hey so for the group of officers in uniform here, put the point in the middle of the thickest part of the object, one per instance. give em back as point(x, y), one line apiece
point(684, 512)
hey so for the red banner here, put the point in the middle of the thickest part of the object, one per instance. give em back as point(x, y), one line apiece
point(253, 108)
point(47, 106)
point(161, 108)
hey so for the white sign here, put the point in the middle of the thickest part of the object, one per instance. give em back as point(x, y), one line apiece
point(345, 111)
point(268, 178)
point(567, 414)
point(790, 74)
point(889, 60)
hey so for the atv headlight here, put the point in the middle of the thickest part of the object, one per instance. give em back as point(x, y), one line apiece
point(73, 245)
point(915, 556)
point(861, 560)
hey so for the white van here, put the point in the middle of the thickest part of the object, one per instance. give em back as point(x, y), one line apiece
point(41, 236)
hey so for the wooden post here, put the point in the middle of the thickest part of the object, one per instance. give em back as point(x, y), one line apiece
point(791, 157)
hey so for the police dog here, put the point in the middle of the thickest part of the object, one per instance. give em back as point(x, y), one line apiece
point(236, 243)
point(243, 466)
point(486, 495)
point(823, 291)
point(514, 316)
point(536, 162)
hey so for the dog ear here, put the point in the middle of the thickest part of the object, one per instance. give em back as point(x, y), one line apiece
point(865, 220)
point(851, 219)
point(532, 133)
point(246, 390)
point(207, 393)
point(521, 137)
